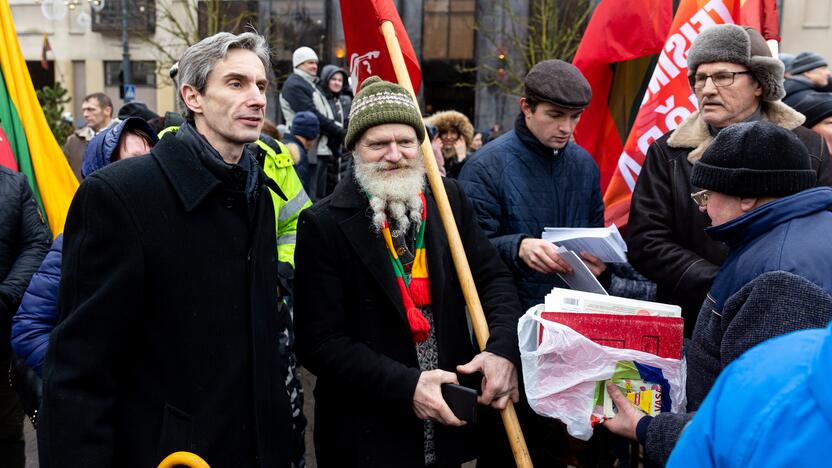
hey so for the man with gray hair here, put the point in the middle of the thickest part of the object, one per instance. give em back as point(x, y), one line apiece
point(735, 79)
point(169, 331)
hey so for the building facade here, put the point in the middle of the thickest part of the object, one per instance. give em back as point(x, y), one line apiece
point(806, 25)
point(86, 45)
point(86, 50)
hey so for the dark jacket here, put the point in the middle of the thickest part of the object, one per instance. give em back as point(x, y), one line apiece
point(168, 337)
point(763, 289)
point(24, 241)
point(74, 148)
point(352, 332)
point(302, 165)
point(519, 187)
point(341, 102)
point(38, 312)
point(298, 93)
point(666, 232)
point(797, 88)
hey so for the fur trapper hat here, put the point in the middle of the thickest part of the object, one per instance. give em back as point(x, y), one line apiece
point(446, 120)
point(741, 45)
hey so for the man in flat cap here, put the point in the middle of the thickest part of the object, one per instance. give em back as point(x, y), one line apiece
point(535, 176)
point(735, 79)
point(527, 179)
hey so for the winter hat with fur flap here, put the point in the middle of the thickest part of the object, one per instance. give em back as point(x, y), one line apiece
point(741, 45)
point(446, 120)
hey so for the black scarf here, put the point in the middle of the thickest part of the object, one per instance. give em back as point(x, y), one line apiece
point(530, 141)
point(240, 177)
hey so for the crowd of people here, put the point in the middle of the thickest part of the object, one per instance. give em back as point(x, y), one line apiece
point(209, 255)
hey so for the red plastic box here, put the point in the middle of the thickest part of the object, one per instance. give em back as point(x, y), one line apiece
point(661, 336)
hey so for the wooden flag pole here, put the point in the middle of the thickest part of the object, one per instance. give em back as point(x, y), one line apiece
point(466, 280)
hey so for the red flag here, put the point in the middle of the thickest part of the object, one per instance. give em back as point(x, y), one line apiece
point(6, 154)
point(366, 48)
point(46, 48)
point(668, 99)
point(761, 15)
point(614, 34)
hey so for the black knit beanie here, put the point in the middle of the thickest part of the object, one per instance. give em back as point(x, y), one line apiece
point(815, 106)
point(755, 159)
point(806, 61)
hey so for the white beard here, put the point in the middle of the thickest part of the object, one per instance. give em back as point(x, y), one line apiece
point(394, 194)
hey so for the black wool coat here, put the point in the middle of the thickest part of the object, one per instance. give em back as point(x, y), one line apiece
point(352, 332)
point(169, 320)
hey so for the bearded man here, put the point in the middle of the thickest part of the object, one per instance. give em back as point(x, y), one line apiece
point(380, 316)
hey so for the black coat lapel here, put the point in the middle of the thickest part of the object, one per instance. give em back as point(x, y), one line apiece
point(438, 253)
point(370, 249)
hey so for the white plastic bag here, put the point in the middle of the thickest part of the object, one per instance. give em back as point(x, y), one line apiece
point(560, 373)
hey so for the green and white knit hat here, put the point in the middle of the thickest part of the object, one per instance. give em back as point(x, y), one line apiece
point(380, 102)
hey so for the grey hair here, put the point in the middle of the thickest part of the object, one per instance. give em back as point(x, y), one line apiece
point(199, 59)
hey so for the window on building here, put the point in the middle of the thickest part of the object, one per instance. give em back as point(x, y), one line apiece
point(141, 17)
point(448, 29)
point(297, 23)
point(41, 76)
point(142, 73)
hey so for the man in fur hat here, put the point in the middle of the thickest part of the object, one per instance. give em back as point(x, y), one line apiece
point(735, 79)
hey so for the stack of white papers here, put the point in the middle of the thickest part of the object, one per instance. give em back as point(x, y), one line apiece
point(605, 243)
point(581, 278)
point(568, 300)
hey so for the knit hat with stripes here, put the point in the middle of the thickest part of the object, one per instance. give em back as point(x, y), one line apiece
point(380, 102)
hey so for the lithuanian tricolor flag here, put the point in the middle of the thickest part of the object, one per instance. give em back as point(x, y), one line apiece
point(36, 153)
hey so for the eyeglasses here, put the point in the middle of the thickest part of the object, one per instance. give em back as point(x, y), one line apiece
point(720, 79)
point(701, 197)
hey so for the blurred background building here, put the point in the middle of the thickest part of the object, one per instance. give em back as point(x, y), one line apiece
point(473, 52)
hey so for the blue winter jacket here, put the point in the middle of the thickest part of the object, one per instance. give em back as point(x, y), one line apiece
point(788, 234)
point(518, 187)
point(100, 150)
point(37, 315)
point(38, 312)
point(770, 407)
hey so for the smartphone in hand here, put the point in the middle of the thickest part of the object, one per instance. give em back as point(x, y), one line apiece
point(462, 401)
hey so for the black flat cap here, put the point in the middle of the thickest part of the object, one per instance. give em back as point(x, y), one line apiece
point(559, 83)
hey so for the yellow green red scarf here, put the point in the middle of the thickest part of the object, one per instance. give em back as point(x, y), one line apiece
point(415, 290)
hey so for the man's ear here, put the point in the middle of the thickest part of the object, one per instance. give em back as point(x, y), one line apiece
point(525, 108)
point(192, 98)
point(748, 204)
